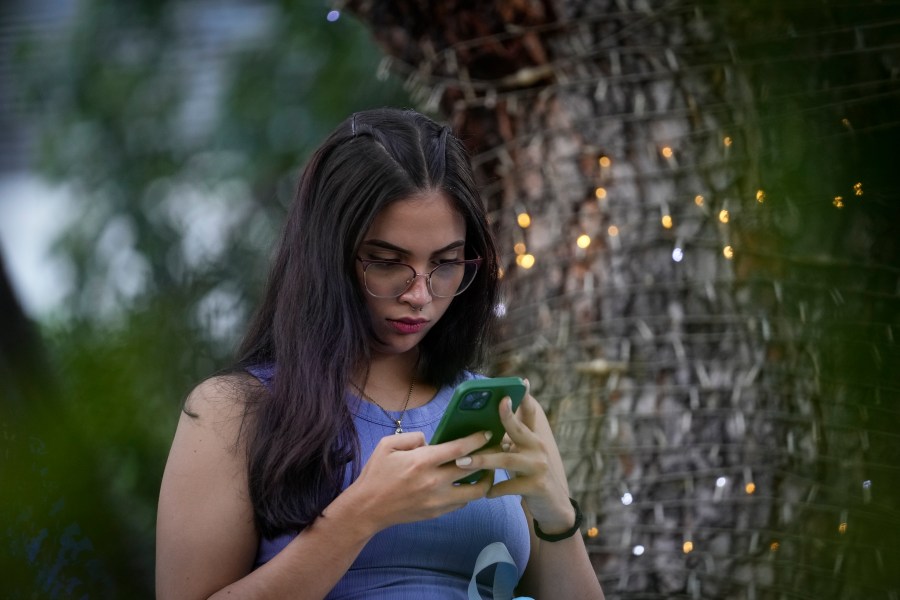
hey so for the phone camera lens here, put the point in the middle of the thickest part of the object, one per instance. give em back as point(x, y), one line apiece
point(476, 400)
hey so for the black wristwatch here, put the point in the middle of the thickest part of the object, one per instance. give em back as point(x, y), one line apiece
point(579, 519)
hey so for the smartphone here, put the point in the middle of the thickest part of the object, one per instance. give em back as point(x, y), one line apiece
point(474, 407)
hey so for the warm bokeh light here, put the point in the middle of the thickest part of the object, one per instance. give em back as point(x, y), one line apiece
point(838, 202)
point(688, 547)
point(613, 231)
point(524, 220)
point(667, 151)
point(593, 532)
point(774, 546)
point(857, 189)
point(519, 248)
point(526, 261)
point(760, 196)
point(727, 141)
point(728, 251)
point(750, 487)
point(667, 221)
point(724, 215)
point(583, 241)
point(698, 200)
point(600, 193)
point(842, 528)
point(604, 161)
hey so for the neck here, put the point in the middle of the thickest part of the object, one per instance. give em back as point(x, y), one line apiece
point(387, 378)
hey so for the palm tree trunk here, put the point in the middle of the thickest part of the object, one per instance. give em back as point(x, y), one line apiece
point(619, 146)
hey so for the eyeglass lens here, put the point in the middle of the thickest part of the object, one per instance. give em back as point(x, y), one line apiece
point(388, 280)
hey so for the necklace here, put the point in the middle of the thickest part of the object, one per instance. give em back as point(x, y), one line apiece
point(399, 420)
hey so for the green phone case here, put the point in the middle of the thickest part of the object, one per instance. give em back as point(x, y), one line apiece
point(475, 407)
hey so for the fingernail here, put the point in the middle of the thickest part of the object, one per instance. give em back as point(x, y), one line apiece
point(465, 461)
point(506, 446)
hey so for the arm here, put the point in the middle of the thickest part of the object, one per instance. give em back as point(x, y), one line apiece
point(206, 539)
point(555, 569)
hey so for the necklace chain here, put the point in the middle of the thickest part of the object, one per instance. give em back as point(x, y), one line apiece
point(398, 421)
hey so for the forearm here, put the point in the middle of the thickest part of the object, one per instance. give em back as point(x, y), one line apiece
point(311, 564)
point(561, 570)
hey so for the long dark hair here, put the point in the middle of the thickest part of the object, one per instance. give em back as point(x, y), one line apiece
point(312, 326)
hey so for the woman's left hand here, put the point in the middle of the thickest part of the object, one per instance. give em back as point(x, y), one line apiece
point(533, 461)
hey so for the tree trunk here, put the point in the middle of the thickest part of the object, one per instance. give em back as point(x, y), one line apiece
point(619, 146)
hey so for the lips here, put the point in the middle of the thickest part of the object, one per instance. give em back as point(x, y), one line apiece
point(407, 326)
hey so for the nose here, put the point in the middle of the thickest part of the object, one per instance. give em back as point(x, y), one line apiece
point(418, 293)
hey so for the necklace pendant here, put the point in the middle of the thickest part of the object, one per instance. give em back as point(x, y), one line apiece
point(399, 429)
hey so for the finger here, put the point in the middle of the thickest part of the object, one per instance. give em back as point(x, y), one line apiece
point(513, 462)
point(450, 451)
point(403, 441)
point(514, 486)
point(517, 431)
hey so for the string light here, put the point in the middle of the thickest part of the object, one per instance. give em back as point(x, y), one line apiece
point(774, 546)
point(728, 251)
point(721, 482)
point(593, 532)
point(857, 189)
point(727, 141)
point(750, 487)
point(838, 202)
point(667, 151)
point(688, 547)
point(604, 162)
point(583, 241)
point(698, 200)
point(613, 231)
point(667, 221)
point(627, 498)
point(842, 528)
point(333, 15)
point(760, 196)
point(600, 193)
point(677, 254)
point(638, 550)
point(519, 248)
point(524, 220)
point(724, 215)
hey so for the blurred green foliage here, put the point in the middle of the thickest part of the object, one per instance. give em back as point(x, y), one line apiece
point(180, 129)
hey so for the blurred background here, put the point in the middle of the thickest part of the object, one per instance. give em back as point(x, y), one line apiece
point(698, 212)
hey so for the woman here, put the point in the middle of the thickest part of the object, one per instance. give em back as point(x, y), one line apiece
point(305, 472)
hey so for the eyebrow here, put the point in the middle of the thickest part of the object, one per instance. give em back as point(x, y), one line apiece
point(389, 246)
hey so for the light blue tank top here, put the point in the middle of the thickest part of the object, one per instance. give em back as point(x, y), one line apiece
point(428, 559)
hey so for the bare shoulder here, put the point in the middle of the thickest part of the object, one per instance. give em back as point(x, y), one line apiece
point(205, 532)
point(219, 400)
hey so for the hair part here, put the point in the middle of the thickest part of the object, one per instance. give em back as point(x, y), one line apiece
point(312, 325)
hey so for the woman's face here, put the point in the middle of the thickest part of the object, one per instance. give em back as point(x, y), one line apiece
point(423, 232)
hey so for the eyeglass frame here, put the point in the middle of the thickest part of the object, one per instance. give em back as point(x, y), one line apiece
point(366, 262)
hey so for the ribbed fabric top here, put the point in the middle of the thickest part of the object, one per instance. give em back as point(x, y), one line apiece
point(427, 559)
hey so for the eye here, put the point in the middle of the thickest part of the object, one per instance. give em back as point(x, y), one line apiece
point(382, 257)
point(450, 258)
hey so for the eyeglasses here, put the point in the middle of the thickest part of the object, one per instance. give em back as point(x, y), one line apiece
point(384, 279)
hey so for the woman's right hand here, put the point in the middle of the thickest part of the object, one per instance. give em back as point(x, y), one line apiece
point(407, 480)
